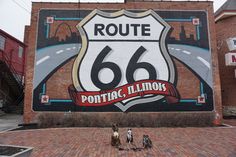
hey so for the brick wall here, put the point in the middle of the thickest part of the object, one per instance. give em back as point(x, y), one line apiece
point(226, 29)
point(11, 54)
point(30, 116)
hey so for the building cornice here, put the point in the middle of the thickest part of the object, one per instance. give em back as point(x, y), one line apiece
point(225, 14)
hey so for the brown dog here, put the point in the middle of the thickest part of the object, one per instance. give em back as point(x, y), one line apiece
point(147, 143)
point(115, 137)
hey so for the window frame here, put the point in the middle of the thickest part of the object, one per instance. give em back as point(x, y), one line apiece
point(2, 48)
point(20, 53)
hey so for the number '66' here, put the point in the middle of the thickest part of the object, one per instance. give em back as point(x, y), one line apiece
point(133, 65)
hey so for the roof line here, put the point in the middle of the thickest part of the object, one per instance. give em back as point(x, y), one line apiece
point(10, 36)
point(223, 14)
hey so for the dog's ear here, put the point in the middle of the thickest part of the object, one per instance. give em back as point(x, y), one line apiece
point(114, 127)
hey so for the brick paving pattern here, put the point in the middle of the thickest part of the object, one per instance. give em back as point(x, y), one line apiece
point(95, 142)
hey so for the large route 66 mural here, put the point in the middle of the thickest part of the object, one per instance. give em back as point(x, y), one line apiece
point(122, 61)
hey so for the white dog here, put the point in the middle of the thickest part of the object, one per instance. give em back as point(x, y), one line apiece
point(129, 136)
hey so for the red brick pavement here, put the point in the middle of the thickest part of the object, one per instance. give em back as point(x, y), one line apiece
point(95, 142)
